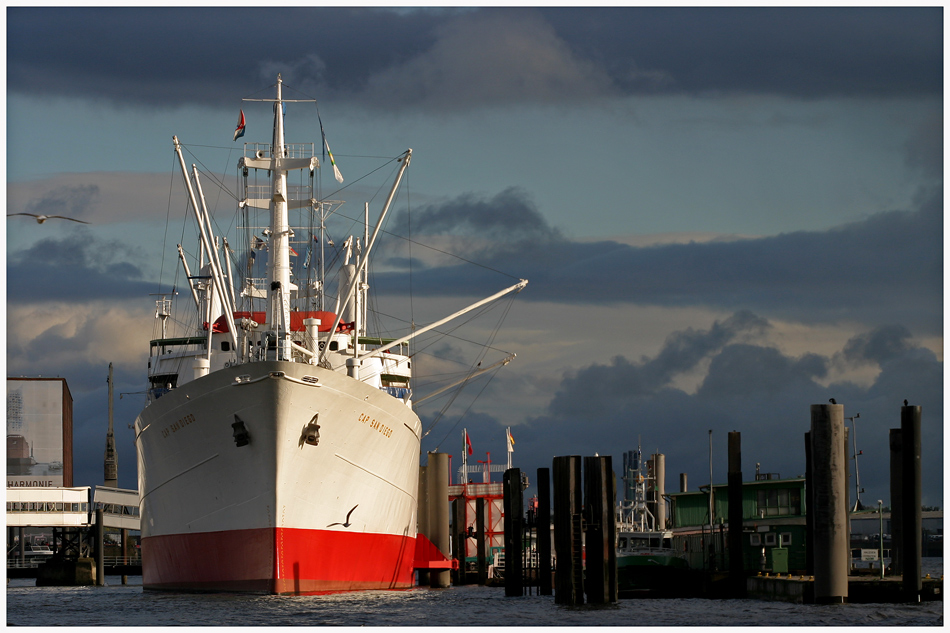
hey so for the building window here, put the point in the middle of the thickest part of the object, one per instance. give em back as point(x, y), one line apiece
point(770, 539)
point(779, 502)
point(755, 540)
point(786, 539)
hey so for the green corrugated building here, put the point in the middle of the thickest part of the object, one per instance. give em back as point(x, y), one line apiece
point(773, 526)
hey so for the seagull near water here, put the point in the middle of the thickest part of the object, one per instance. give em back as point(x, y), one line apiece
point(43, 218)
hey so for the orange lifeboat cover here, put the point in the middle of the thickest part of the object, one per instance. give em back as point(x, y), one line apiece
point(296, 320)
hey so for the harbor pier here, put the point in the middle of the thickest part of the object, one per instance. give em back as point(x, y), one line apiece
point(861, 590)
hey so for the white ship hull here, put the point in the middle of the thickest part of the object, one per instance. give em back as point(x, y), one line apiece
point(278, 515)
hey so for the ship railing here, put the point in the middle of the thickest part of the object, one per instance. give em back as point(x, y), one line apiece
point(291, 150)
point(265, 192)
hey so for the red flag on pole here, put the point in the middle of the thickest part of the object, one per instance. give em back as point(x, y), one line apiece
point(468, 443)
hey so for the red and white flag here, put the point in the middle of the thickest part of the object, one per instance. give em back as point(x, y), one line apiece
point(468, 443)
point(239, 131)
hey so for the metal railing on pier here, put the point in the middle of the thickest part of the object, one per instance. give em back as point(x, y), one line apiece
point(122, 561)
point(107, 561)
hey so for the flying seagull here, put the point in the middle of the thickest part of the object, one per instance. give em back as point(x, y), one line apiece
point(347, 522)
point(43, 218)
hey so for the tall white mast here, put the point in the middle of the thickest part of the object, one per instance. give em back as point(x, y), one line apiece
point(278, 260)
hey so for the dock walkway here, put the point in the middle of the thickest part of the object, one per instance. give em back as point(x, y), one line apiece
point(861, 589)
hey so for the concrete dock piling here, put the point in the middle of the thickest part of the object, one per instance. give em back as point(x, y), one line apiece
point(422, 519)
point(659, 489)
point(437, 487)
point(830, 499)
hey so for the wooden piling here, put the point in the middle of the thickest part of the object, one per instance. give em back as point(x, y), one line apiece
point(832, 550)
point(544, 531)
point(437, 485)
point(100, 549)
point(809, 511)
point(480, 557)
point(568, 577)
point(124, 537)
point(600, 582)
point(897, 528)
point(459, 538)
point(514, 525)
point(911, 497)
point(736, 569)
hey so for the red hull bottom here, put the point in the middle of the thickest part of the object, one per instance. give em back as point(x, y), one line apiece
point(277, 561)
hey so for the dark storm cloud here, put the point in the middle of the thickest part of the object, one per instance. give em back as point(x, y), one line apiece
point(509, 216)
point(806, 52)
point(72, 202)
point(886, 268)
point(77, 267)
point(755, 389)
point(878, 346)
point(168, 56)
point(390, 58)
point(621, 378)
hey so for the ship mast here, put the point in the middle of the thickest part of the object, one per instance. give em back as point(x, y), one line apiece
point(278, 260)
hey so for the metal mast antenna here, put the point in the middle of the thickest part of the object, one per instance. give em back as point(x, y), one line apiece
point(111, 463)
point(855, 453)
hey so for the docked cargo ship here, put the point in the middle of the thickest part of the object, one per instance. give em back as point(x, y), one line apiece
point(278, 451)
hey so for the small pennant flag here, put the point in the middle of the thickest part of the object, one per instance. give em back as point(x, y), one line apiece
point(292, 251)
point(336, 170)
point(468, 443)
point(239, 131)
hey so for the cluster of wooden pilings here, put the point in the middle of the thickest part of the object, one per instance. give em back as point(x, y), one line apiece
point(584, 520)
point(584, 531)
point(827, 503)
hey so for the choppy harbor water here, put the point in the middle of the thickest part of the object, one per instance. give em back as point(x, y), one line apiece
point(128, 605)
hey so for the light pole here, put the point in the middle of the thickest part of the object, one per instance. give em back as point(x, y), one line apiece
point(855, 452)
point(880, 534)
